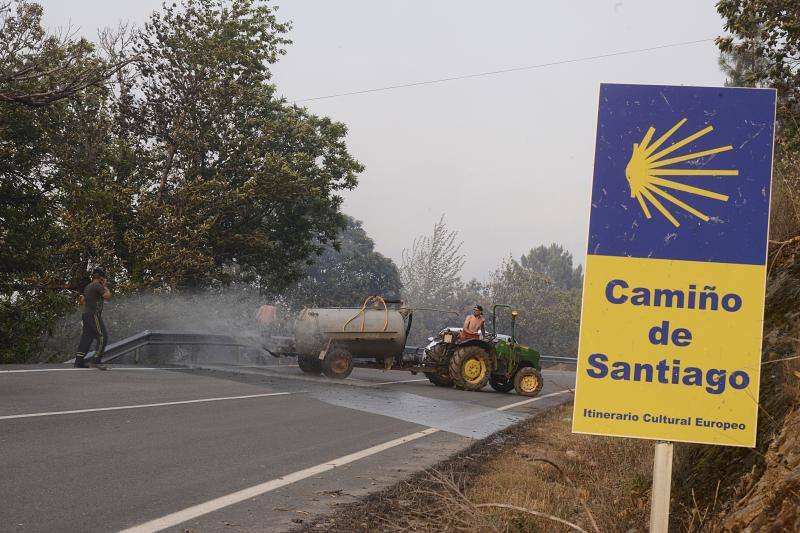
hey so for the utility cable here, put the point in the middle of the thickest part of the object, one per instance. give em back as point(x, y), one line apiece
point(507, 70)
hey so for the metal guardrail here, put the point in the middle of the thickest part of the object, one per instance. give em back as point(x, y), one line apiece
point(545, 358)
point(558, 359)
point(164, 338)
point(196, 338)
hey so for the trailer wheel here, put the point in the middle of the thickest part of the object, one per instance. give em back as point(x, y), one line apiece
point(440, 380)
point(309, 365)
point(528, 381)
point(338, 363)
point(501, 383)
point(469, 368)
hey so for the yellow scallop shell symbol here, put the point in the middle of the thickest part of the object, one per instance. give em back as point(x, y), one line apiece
point(646, 165)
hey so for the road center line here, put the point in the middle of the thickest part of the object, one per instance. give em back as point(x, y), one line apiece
point(75, 369)
point(142, 406)
point(531, 400)
point(40, 370)
point(201, 509)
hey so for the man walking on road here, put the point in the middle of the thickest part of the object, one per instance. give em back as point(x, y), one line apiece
point(474, 325)
point(92, 299)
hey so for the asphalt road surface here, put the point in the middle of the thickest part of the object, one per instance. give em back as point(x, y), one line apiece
point(224, 448)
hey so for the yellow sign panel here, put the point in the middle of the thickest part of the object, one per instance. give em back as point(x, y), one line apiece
point(670, 342)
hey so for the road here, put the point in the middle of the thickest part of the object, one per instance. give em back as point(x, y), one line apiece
point(224, 448)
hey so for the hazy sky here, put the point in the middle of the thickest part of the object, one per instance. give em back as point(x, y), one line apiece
point(506, 158)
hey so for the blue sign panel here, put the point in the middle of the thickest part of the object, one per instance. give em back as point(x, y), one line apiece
point(682, 173)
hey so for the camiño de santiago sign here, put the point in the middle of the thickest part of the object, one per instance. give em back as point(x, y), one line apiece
point(673, 299)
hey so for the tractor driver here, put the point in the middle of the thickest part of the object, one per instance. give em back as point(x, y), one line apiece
point(474, 325)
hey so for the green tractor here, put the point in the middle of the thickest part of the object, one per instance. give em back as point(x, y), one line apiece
point(498, 360)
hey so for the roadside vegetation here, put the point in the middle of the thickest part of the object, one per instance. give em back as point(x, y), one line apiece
point(718, 488)
point(543, 285)
point(534, 477)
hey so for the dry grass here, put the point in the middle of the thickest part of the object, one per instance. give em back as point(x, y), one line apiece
point(535, 477)
point(599, 483)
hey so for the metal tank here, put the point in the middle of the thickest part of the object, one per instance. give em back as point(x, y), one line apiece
point(374, 333)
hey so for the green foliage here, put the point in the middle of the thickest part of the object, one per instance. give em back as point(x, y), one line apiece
point(549, 315)
point(556, 263)
point(37, 69)
point(54, 165)
point(25, 317)
point(188, 173)
point(763, 50)
point(767, 33)
point(543, 286)
point(765, 39)
point(431, 278)
point(431, 269)
point(345, 274)
point(211, 128)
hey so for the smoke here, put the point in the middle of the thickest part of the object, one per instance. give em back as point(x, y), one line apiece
point(227, 311)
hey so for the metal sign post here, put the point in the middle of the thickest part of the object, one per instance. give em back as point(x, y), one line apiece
point(662, 485)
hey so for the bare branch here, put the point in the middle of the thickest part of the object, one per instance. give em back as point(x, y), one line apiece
point(534, 513)
point(37, 69)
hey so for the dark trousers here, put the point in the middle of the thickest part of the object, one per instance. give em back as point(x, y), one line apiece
point(93, 328)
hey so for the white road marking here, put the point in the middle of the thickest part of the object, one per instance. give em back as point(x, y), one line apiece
point(531, 400)
point(404, 381)
point(142, 406)
point(210, 506)
point(40, 370)
point(74, 369)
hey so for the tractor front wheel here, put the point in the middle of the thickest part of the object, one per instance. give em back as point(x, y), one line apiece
point(309, 365)
point(528, 381)
point(469, 368)
point(501, 383)
point(338, 363)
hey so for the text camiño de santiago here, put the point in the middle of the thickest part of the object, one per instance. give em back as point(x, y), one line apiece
point(714, 380)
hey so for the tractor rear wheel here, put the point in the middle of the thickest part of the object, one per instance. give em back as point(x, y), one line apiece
point(501, 383)
point(309, 365)
point(469, 368)
point(528, 381)
point(440, 380)
point(338, 363)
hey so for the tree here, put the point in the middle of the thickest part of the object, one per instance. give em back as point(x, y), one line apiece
point(187, 173)
point(556, 263)
point(763, 50)
point(549, 315)
point(54, 147)
point(742, 70)
point(347, 272)
point(765, 37)
point(431, 276)
point(231, 176)
point(431, 269)
point(37, 69)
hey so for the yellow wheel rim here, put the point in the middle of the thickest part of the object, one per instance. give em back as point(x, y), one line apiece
point(474, 370)
point(528, 383)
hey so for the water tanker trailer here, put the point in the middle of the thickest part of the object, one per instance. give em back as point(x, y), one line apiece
point(332, 340)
